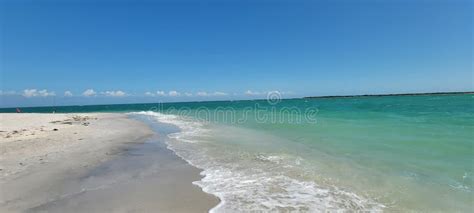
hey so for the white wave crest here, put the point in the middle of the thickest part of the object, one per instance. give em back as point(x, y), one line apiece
point(258, 183)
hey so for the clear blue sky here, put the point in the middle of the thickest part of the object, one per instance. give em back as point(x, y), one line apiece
point(212, 50)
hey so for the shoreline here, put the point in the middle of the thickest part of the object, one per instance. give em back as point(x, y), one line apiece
point(54, 162)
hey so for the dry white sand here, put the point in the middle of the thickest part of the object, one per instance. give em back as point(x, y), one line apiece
point(29, 139)
point(46, 162)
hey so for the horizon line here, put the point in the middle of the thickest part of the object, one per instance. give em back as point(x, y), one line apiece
point(260, 99)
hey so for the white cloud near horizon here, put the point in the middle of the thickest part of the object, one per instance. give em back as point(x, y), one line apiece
point(220, 94)
point(68, 94)
point(118, 93)
point(205, 94)
point(174, 93)
point(252, 93)
point(150, 94)
point(202, 94)
point(262, 93)
point(161, 93)
point(37, 93)
point(89, 93)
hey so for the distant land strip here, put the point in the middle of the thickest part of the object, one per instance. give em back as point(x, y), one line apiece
point(399, 94)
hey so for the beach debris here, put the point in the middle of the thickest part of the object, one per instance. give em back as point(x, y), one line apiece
point(55, 129)
point(75, 120)
point(81, 118)
point(12, 133)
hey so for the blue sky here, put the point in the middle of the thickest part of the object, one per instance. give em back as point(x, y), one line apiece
point(145, 51)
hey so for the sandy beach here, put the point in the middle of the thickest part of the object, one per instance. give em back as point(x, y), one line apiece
point(92, 163)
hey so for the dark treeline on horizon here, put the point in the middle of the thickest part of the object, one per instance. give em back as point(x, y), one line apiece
point(395, 94)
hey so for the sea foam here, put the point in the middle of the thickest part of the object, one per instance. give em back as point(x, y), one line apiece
point(246, 181)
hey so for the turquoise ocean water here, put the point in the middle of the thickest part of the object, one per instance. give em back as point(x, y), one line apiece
point(396, 153)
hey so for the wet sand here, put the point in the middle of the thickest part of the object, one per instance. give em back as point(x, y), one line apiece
point(92, 163)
